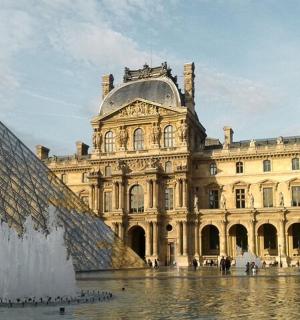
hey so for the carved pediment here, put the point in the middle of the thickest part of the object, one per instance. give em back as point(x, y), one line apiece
point(240, 184)
point(268, 183)
point(139, 108)
point(293, 182)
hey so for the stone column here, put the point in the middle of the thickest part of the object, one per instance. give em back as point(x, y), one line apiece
point(251, 237)
point(121, 195)
point(178, 234)
point(121, 229)
point(155, 193)
point(184, 193)
point(92, 197)
point(155, 238)
point(148, 240)
point(281, 238)
point(184, 238)
point(200, 241)
point(196, 230)
point(114, 207)
point(223, 249)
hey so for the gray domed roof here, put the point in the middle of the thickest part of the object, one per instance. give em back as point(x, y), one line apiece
point(160, 90)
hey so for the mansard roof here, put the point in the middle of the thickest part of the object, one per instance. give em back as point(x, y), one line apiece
point(152, 84)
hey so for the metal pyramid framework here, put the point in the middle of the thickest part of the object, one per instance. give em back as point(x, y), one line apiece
point(28, 187)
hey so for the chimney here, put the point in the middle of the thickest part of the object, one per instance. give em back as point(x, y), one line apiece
point(82, 149)
point(107, 84)
point(228, 136)
point(42, 152)
point(189, 86)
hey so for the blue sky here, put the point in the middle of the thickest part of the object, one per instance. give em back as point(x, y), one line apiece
point(54, 52)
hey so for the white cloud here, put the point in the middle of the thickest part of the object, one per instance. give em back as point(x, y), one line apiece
point(240, 94)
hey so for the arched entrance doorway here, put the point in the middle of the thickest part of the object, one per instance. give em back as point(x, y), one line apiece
point(136, 239)
point(294, 241)
point(267, 240)
point(210, 241)
point(238, 240)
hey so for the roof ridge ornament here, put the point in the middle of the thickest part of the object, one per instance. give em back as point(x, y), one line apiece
point(148, 72)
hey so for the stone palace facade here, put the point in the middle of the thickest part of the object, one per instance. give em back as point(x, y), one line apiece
point(172, 193)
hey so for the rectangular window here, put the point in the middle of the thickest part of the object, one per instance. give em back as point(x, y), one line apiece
point(239, 167)
point(169, 199)
point(295, 164)
point(213, 199)
point(107, 201)
point(64, 178)
point(267, 165)
point(85, 177)
point(295, 196)
point(240, 198)
point(268, 197)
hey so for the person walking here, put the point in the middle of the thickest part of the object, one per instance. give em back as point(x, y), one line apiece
point(195, 264)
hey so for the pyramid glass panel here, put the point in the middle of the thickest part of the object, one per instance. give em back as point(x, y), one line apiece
point(29, 188)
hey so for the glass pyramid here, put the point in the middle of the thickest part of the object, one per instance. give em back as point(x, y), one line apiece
point(28, 187)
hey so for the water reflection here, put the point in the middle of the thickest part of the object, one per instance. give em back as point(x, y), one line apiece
point(185, 294)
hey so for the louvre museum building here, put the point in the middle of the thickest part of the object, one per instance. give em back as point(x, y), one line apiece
point(172, 193)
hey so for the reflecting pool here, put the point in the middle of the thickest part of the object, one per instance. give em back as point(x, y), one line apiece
point(181, 294)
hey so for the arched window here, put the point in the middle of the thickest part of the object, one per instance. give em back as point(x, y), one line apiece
point(108, 171)
point(295, 164)
point(168, 137)
point(137, 199)
point(109, 142)
point(138, 139)
point(213, 169)
point(267, 165)
point(239, 167)
point(168, 167)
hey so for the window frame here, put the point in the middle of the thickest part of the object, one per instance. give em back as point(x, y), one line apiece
point(267, 165)
point(295, 164)
point(240, 198)
point(138, 139)
point(296, 202)
point(84, 177)
point(109, 141)
point(213, 199)
point(137, 205)
point(239, 167)
point(265, 202)
point(168, 136)
point(169, 198)
point(213, 169)
point(107, 201)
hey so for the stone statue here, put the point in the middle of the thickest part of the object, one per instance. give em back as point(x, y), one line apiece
point(123, 136)
point(279, 140)
point(251, 201)
point(281, 199)
point(196, 203)
point(183, 131)
point(98, 140)
point(94, 139)
point(155, 133)
point(252, 143)
point(223, 202)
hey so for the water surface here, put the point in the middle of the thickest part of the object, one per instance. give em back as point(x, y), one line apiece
point(181, 294)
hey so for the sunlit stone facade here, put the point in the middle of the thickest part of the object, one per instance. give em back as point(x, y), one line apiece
point(172, 193)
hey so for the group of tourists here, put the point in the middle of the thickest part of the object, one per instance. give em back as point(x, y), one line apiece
point(225, 264)
point(154, 265)
point(251, 267)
